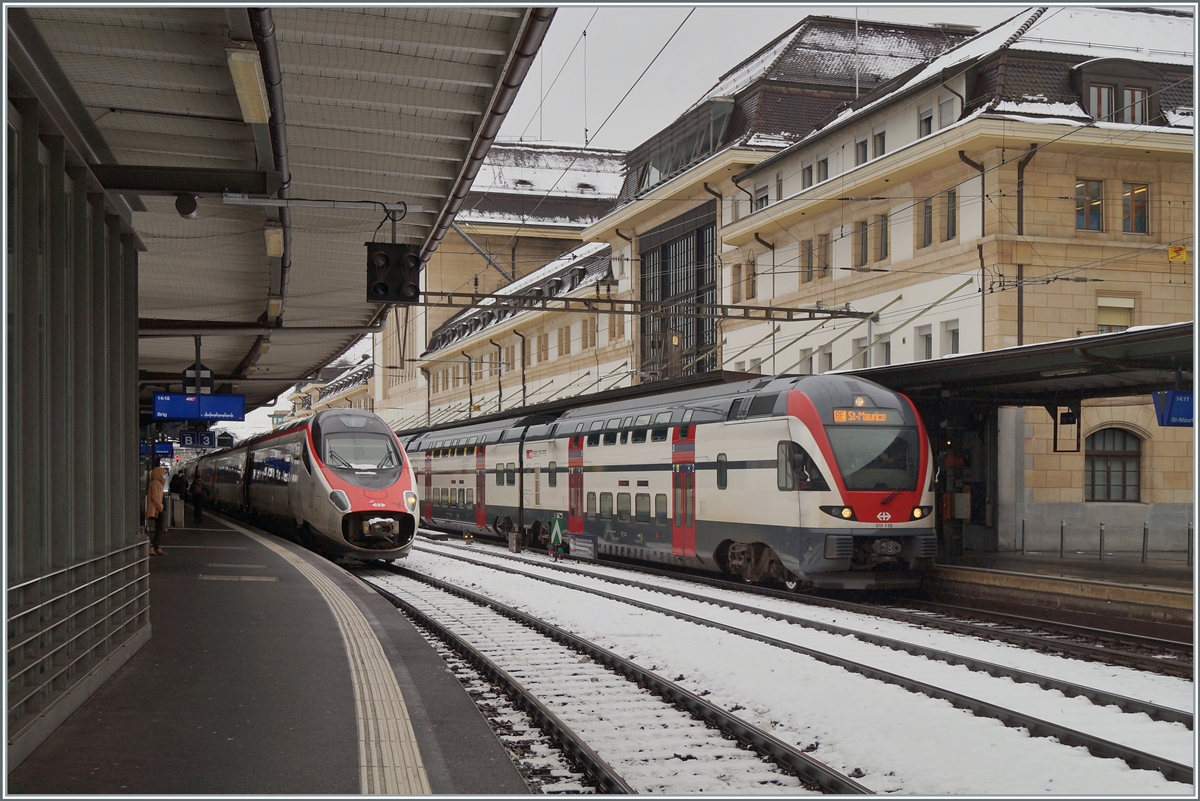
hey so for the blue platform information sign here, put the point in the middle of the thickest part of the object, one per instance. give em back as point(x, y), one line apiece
point(1174, 408)
point(181, 406)
point(164, 449)
point(198, 439)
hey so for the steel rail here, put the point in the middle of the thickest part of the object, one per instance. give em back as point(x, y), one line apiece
point(1036, 727)
point(609, 780)
point(1098, 697)
point(801, 763)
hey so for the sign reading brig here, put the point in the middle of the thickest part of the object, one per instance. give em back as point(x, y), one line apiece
point(180, 406)
point(1174, 408)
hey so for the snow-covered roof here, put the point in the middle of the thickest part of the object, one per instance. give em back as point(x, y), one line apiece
point(541, 169)
point(582, 267)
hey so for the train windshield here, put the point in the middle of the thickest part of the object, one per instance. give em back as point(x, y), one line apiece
point(360, 451)
point(884, 458)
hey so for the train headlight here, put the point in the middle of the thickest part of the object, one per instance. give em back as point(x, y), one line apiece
point(844, 512)
point(410, 500)
point(921, 512)
point(339, 499)
point(918, 513)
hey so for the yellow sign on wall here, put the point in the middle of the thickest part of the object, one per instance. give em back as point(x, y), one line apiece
point(1177, 254)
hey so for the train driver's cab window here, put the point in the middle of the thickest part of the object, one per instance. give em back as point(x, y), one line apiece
point(552, 474)
point(808, 475)
point(642, 506)
point(606, 505)
point(623, 506)
point(510, 474)
point(591, 505)
point(785, 474)
point(722, 471)
point(360, 450)
point(884, 458)
point(660, 509)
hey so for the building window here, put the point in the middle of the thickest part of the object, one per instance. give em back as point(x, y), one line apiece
point(1135, 208)
point(735, 283)
point(879, 144)
point(927, 223)
point(861, 354)
point(827, 360)
point(1113, 315)
point(806, 177)
point(883, 237)
point(924, 342)
point(1089, 205)
point(806, 260)
point(862, 243)
point(860, 152)
point(925, 122)
point(946, 112)
point(564, 341)
point(950, 337)
point(951, 214)
point(1134, 109)
point(1111, 466)
point(885, 352)
point(761, 198)
point(1100, 101)
point(778, 186)
point(756, 366)
point(823, 170)
point(751, 279)
point(823, 255)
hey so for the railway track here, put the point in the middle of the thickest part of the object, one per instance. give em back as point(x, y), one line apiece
point(594, 701)
point(1115, 648)
point(980, 706)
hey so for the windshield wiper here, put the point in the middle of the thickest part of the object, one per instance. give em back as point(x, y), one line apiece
point(386, 461)
point(335, 455)
point(891, 497)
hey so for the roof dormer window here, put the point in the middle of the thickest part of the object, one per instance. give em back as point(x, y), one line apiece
point(1116, 90)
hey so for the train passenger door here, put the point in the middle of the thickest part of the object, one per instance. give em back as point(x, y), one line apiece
point(575, 486)
point(428, 500)
point(480, 483)
point(683, 490)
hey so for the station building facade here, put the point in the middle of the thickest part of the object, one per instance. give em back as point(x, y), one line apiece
point(987, 190)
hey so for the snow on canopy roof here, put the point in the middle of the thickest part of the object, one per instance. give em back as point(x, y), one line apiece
point(542, 169)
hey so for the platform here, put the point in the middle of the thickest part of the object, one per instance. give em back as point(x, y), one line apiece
point(1120, 593)
point(270, 671)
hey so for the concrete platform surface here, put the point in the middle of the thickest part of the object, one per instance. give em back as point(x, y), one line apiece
point(270, 671)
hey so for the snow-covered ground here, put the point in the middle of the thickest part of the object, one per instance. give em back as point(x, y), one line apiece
point(900, 741)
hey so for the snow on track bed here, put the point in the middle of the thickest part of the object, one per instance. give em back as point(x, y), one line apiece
point(899, 741)
point(655, 747)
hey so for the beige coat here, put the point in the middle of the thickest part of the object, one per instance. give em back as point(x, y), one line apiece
point(154, 493)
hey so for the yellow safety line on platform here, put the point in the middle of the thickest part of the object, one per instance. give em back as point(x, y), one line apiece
point(389, 758)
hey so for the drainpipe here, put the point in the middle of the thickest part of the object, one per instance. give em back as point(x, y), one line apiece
point(263, 26)
point(470, 385)
point(499, 375)
point(428, 394)
point(522, 336)
point(1021, 232)
point(962, 155)
point(749, 194)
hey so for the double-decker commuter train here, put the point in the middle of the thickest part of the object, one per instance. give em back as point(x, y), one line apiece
point(338, 482)
point(818, 481)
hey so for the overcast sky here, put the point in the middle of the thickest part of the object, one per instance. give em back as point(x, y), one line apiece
point(622, 41)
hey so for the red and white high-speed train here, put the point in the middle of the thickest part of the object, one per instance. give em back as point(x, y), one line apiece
point(818, 481)
point(338, 482)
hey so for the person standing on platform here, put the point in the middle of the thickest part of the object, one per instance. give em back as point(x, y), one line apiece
point(155, 510)
point(197, 493)
point(556, 543)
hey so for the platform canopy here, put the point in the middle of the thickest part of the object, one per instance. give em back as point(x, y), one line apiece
point(1133, 362)
point(226, 135)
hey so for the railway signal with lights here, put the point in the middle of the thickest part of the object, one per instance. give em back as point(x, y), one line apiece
point(393, 272)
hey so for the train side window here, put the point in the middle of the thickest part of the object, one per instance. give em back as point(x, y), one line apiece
point(624, 437)
point(623, 506)
point(690, 501)
point(660, 509)
point(499, 475)
point(639, 435)
point(453, 498)
point(679, 504)
point(785, 474)
point(642, 420)
point(662, 418)
point(606, 505)
point(734, 408)
point(722, 471)
point(610, 438)
point(591, 505)
point(627, 422)
point(687, 416)
point(510, 474)
point(462, 497)
point(596, 425)
point(642, 505)
point(593, 440)
point(470, 499)
point(684, 431)
point(552, 474)
point(658, 435)
point(579, 428)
